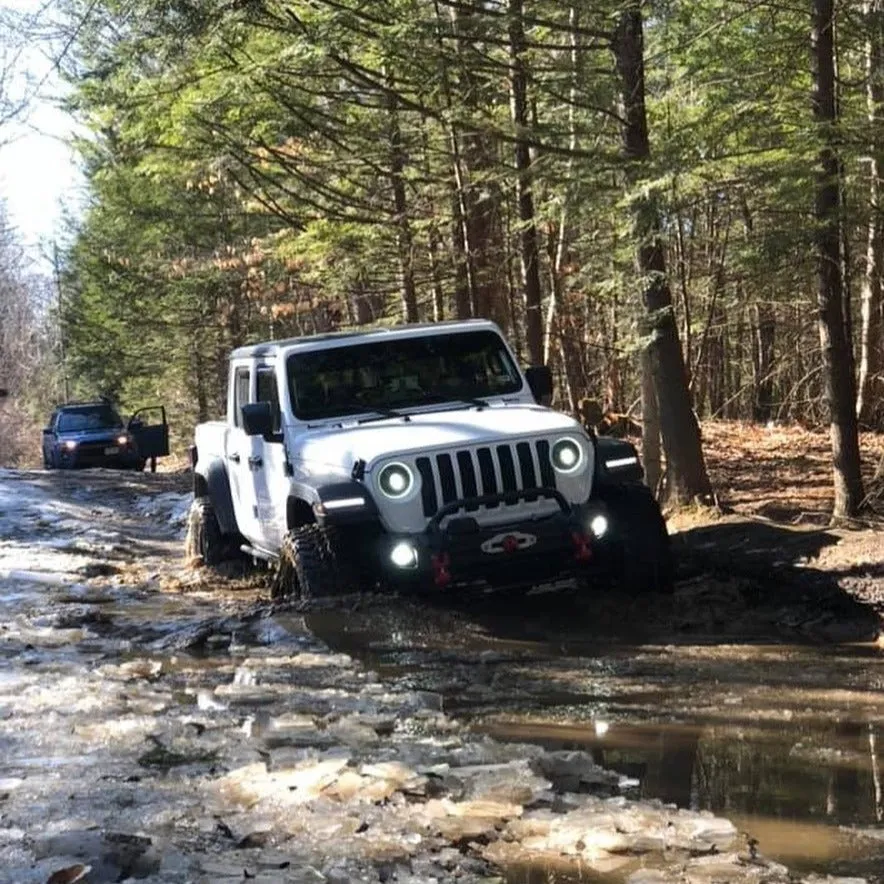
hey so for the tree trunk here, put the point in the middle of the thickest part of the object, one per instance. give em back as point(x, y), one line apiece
point(528, 251)
point(557, 258)
point(480, 194)
point(462, 284)
point(763, 339)
point(870, 397)
point(686, 468)
point(650, 424)
point(404, 239)
point(840, 388)
point(463, 270)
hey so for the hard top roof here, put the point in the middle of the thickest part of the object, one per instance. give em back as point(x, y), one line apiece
point(272, 348)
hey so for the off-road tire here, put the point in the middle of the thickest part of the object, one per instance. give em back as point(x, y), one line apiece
point(305, 569)
point(205, 541)
point(644, 551)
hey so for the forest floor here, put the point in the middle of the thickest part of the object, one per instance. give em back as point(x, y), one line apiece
point(774, 486)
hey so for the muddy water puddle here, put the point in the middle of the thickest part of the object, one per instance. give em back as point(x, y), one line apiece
point(785, 740)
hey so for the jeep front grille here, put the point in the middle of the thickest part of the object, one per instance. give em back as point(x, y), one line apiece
point(489, 469)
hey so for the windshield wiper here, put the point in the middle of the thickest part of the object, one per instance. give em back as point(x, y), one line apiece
point(432, 398)
point(379, 414)
point(383, 414)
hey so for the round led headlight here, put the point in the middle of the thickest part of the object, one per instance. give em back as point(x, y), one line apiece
point(396, 480)
point(69, 445)
point(567, 456)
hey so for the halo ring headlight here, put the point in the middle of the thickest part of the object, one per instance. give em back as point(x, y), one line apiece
point(396, 480)
point(567, 455)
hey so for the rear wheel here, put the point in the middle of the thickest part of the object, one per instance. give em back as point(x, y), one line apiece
point(644, 549)
point(204, 538)
point(305, 569)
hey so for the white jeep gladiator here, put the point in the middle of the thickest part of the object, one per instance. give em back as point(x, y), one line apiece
point(416, 456)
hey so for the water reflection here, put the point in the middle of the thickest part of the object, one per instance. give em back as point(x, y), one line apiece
point(783, 739)
point(811, 798)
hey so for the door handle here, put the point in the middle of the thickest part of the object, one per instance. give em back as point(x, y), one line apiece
point(234, 457)
point(256, 462)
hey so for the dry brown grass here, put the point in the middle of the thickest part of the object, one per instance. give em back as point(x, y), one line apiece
point(20, 437)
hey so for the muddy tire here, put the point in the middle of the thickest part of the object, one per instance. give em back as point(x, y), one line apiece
point(305, 568)
point(644, 560)
point(204, 538)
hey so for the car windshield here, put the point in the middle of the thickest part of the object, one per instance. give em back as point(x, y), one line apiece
point(96, 417)
point(400, 373)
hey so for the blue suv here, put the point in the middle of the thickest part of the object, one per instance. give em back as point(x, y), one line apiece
point(92, 434)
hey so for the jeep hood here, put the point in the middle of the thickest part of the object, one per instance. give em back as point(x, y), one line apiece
point(338, 446)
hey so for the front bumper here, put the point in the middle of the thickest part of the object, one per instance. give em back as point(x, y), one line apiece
point(103, 454)
point(456, 551)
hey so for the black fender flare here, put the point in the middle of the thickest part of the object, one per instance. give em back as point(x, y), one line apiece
point(623, 457)
point(308, 503)
point(216, 486)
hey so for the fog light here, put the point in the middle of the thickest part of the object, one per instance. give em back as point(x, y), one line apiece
point(599, 526)
point(404, 555)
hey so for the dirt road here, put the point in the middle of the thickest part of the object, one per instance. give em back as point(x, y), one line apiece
point(165, 724)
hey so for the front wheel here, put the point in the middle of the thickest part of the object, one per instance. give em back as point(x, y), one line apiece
point(205, 542)
point(644, 551)
point(305, 569)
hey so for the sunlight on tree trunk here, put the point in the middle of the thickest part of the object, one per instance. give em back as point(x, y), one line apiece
point(870, 388)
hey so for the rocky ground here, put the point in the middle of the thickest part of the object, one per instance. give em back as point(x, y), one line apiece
point(165, 724)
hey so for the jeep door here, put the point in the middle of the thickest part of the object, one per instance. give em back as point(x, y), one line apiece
point(270, 468)
point(239, 454)
point(150, 430)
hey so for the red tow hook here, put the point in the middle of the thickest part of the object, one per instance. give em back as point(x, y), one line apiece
point(582, 548)
point(441, 574)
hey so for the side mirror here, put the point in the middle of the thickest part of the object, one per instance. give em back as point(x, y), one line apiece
point(47, 431)
point(257, 419)
point(541, 383)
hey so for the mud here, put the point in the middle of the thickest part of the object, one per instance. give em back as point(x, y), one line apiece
point(167, 724)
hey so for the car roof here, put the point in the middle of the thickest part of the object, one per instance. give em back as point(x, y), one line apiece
point(83, 406)
point(417, 329)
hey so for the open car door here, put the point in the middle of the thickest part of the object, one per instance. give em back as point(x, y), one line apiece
point(151, 433)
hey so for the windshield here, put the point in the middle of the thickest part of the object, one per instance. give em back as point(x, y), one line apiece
point(400, 373)
point(98, 417)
